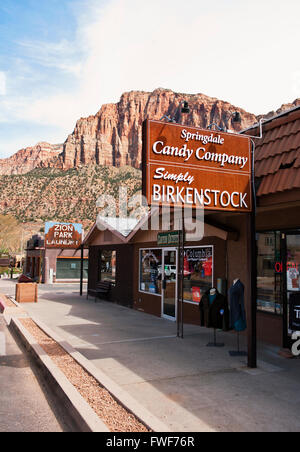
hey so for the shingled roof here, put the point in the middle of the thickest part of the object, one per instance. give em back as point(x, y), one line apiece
point(277, 155)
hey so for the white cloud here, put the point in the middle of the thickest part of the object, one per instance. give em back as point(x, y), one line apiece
point(226, 49)
point(2, 84)
point(60, 55)
point(133, 45)
point(231, 50)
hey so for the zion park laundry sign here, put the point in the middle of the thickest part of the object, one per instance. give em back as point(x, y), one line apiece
point(196, 167)
point(63, 235)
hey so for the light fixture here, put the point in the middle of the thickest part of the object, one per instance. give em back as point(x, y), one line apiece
point(236, 117)
point(185, 109)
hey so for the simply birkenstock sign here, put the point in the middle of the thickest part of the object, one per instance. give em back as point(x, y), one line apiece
point(196, 167)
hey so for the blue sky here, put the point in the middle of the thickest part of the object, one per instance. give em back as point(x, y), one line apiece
point(50, 224)
point(35, 39)
point(62, 59)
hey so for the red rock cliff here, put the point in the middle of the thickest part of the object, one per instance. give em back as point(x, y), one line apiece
point(29, 158)
point(114, 135)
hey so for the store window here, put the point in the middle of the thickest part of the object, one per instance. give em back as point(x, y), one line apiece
point(108, 266)
point(71, 268)
point(198, 272)
point(150, 271)
point(269, 272)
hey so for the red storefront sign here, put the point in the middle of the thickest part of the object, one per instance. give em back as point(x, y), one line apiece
point(196, 167)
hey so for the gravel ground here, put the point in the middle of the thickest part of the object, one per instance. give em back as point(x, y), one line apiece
point(117, 418)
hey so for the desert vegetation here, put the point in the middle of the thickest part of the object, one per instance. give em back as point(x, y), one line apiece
point(47, 194)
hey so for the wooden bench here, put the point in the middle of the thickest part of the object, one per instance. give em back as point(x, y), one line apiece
point(102, 290)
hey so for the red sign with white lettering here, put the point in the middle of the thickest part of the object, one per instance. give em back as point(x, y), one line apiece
point(196, 167)
point(63, 235)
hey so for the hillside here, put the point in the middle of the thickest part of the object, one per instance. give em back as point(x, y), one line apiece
point(54, 194)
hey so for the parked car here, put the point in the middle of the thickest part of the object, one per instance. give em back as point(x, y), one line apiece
point(170, 271)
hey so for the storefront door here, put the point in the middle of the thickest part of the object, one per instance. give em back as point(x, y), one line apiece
point(169, 286)
point(292, 286)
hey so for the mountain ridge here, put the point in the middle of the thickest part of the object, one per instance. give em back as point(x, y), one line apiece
point(27, 159)
point(113, 136)
point(62, 182)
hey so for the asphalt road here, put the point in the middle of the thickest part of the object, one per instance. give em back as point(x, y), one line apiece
point(25, 404)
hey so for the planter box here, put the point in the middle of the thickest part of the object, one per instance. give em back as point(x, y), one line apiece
point(27, 293)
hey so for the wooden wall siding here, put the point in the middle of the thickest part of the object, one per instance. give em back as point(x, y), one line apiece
point(122, 292)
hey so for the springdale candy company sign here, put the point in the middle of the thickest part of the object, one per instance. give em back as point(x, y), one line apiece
point(196, 167)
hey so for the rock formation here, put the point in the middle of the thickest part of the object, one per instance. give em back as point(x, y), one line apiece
point(114, 135)
point(29, 158)
point(282, 109)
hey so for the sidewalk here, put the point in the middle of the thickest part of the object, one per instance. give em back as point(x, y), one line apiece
point(23, 405)
point(187, 385)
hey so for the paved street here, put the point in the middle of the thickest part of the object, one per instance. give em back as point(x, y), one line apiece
point(189, 386)
point(24, 407)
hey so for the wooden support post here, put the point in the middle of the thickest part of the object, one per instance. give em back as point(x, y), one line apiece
point(81, 269)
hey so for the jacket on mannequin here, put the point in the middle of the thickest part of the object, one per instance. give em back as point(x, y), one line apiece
point(237, 306)
point(215, 314)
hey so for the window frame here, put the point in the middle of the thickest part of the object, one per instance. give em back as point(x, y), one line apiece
point(139, 279)
point(260, 309)
point(185, 248)
point(114, 283)
point(195, 303)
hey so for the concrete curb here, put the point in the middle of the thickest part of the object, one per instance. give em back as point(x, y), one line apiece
point(82, 416)
point(2, 305)
point(10, 298)
point(14, 302)
point(121, 396)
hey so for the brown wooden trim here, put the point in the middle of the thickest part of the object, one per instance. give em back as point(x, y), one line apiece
point(284, 197)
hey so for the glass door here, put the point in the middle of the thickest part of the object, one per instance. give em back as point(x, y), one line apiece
point(169, 284)
point(293, 282)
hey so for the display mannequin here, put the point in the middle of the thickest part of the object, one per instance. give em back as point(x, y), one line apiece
point(212, 295)
point(237, 312)
point(214, 311)
point(215, 305)
point(237, 308)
